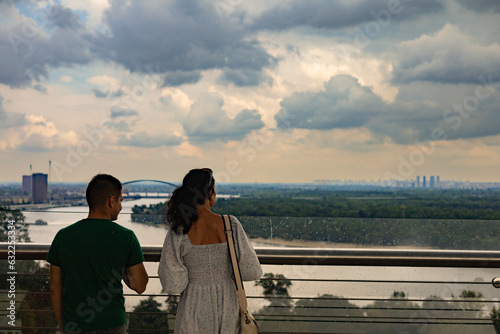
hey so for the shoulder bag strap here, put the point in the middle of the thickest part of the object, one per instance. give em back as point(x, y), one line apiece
point(242, 298)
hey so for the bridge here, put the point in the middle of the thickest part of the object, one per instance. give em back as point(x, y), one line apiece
point(148, 180)
point(152, 194)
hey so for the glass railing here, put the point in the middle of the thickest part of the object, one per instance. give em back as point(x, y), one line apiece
point(328, 291)
point(337, 275)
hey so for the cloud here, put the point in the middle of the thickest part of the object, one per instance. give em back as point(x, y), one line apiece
point(30, 133)
point(181, 38)
point(65, 78)
point(207, 121)
point(420, 112)
point(63, 18)
point(142, 139)
point(446, 57)
point(28, 52)
point(99, 93)
point(492, 6)
point(121, 126)
point(343, 104)
point(122, 112)
point(327, 14)
point(178, 78)
point(243, 78)
point(10, 120)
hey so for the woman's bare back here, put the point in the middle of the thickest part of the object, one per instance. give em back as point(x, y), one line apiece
point(208, 229)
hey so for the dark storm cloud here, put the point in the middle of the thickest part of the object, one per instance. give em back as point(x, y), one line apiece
point(178, 78)
point(244, 78)
point(180, 37)
point(491, 6)
point(343, 104)
point(207, 121)
point(329, 14)
point(63, 18)
point(419, 113)
point(142, 139)
point(28, 53)
point(446, 57)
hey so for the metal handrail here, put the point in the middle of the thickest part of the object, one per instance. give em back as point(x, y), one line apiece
point(322, 256)
point(350, 256)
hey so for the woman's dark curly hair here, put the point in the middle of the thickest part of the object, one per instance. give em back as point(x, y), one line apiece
point(197, 186)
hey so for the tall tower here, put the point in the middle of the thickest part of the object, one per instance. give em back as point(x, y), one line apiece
point(438, 182)
point(431, 183)
point(26, 185)
point(39, 187)
point(423, 182)
point(418, 181)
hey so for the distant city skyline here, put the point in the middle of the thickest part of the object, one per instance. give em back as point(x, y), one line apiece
point(259, 91)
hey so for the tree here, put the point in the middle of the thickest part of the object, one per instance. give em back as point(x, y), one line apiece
point(148, 316)
point(13, 218)
point(37, 300)
point(172, 303)
point(275, 287)
point(280, 307)
point(495, 317)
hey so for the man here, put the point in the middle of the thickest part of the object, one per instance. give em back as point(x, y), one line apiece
point(88, 261)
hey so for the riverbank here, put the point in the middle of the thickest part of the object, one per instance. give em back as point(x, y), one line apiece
point(261, 242)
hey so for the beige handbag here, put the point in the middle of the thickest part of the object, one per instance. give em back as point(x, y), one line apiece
point(248, 323)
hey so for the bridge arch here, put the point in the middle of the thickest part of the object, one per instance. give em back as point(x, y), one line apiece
point(148, 180)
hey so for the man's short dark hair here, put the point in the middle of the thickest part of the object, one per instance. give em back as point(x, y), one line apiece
point(100, 188)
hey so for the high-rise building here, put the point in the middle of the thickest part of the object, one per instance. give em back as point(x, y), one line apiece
point(26, 186)
point(431, 182)
point(418, 181)
point(438, 184)
point(39, 187)
point(423, 182)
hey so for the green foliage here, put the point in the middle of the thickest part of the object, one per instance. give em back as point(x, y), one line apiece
point(382, 203)
point(150, 215)
point(148, 316)
point(276, 289)
point(21, 228)
point(328, 313)
point(445, 219)
point(495, 317)
point(172, 302)
point(32, 281)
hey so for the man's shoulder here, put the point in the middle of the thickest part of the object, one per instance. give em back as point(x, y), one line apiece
point(71, 227)
point(91, 225)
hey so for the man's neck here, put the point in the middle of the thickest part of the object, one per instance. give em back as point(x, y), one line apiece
point(98, 215)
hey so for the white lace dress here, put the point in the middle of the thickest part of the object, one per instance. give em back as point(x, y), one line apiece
point(203, 276)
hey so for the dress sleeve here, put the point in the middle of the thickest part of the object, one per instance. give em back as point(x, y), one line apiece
point(249, 263)
point(171, 270)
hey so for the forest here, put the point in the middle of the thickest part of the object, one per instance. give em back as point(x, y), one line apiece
point(444, 219)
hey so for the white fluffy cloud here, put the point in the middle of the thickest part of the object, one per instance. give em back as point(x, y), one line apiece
point(32, 133)
point(208, 121)
point(448, 56)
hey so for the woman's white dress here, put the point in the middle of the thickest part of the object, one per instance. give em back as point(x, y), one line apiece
point(203, 276)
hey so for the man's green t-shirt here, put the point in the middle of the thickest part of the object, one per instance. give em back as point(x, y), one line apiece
point(93, 255)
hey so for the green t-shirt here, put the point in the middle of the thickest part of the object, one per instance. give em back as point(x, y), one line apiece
point(93, 255)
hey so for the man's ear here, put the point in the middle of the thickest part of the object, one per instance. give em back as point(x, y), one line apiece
point(111, 201)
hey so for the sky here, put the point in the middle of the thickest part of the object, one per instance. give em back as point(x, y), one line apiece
point(259, 91)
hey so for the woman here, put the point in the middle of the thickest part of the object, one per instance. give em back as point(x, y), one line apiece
point(195, 259)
